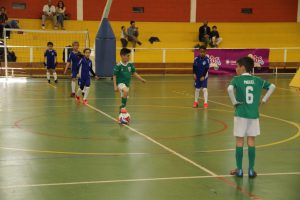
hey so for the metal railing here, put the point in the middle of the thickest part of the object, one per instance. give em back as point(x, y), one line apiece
point(162, 52)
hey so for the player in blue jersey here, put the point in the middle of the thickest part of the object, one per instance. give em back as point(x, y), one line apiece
point(85, 67)
point(50, 56)
point(73, 60)
point(200, 71)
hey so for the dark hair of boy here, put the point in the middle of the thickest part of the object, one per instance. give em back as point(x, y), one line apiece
point(122, 27)
point(131, 22)
point(247, 62)
point(87, 49)
point(202, 47)
point(125, 51)
point(75, 42)
point(214, 27)
point(50, 43)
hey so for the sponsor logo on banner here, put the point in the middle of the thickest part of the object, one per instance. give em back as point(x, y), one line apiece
point(258, 60)
point(215, 62)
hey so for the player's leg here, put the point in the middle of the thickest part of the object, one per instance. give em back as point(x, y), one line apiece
point(54, 75)
point(73, 82)
point(86, 90)
point(81, 84)
point(197, 92)
point(252, 131)
point(48, 75)
point(251, 156)
point(205, 92)
point(124, 94)
point(239, 129)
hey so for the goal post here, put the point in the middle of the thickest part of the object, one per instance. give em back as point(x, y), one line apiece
point(29, 45)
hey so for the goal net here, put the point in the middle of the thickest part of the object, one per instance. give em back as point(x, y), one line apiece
point(28, 47)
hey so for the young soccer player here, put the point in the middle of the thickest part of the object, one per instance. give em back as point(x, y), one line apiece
point(200, 71)
point(73, 60)
point(50, 61)
point(122, 75)
point(247, 99)
point(84, 79)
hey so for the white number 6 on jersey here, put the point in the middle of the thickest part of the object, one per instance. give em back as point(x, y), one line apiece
point(249, 95)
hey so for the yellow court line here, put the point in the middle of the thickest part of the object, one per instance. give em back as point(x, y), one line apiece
point(70, 152)
point(52, 85)
point(88, 182)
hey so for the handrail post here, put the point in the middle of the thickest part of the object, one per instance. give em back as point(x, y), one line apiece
point(31, 55)
point(5, 53)
point(285, 55)
point(66, 55)
point(164, 56)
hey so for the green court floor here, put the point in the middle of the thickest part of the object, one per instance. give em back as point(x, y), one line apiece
point(52, 148)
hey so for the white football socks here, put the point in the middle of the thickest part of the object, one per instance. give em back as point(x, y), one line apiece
point(205, 95)
point(73, 85)
point(197, 91)
point(86, 92)
point(55, 76)
point(48, 75)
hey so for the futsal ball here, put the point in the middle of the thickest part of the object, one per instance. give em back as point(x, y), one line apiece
point(124, 117)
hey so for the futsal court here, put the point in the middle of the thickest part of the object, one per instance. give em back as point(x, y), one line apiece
point(54, 148)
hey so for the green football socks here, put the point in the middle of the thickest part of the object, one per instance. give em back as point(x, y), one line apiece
point(124, 101)
point(251, 155)
point(239, 157)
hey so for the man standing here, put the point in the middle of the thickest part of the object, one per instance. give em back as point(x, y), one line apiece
point(133, 34)
point(49, 12)
point(204, 33)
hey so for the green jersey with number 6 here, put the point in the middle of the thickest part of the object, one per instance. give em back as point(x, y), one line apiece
point(123, 73)
point(248, 92)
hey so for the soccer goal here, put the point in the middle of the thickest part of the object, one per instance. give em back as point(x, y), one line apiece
point(23, 47)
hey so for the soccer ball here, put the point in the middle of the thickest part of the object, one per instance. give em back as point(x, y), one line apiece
point(124, 117)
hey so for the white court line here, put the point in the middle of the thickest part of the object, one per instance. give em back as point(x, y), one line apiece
point(157, 143)
point(136, 180)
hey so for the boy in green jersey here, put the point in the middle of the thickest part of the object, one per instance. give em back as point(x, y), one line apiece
point(247, 99)
point(122, 75)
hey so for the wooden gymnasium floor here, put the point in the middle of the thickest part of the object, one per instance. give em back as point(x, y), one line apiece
point(53, 148)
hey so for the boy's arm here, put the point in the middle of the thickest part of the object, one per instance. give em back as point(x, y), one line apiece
point(115, 83)
point(55, 61)
point(139, 77)
point(205, 71)
point(93, 73)
point(66, 68)
point(194, 69)
point(269, 93)
point(230, 91)
point(68, 63)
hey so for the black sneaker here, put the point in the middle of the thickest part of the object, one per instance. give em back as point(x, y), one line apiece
point(49, 81)
point(55, 81)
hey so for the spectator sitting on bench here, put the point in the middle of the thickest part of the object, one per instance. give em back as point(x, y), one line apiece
point(215, 37)
point(49, 12)
point(60, 10)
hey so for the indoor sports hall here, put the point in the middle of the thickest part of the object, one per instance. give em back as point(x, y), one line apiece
point(53, 146)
